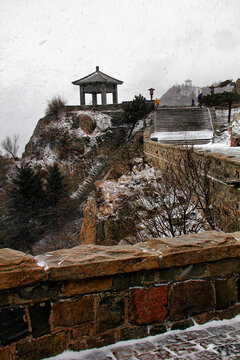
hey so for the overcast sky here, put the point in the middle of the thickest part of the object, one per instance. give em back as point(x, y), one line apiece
point(47, 44)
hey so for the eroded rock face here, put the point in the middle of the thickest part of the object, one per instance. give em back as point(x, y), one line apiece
point(87, 123)
point(89, 227)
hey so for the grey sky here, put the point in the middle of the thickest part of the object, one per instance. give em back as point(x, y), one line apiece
point(45, 45)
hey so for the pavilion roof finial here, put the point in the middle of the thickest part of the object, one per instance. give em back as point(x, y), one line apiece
point(97, 68)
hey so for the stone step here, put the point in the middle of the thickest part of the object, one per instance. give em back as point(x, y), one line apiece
point(182, 119)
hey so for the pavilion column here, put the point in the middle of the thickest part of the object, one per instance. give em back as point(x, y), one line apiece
point(115, 96)
point(104, 95)
point(94, 99)
point(82, 95)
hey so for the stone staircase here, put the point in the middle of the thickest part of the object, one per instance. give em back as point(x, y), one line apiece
point(87, 186)
point(182, 119)
point(188, 121)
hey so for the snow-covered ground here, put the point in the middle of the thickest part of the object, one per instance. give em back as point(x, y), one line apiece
point(183, 135)
point(107, 351)
point(221, 144)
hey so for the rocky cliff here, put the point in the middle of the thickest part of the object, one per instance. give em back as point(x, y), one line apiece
point(86, 147)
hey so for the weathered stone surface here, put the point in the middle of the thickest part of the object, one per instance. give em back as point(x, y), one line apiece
point(40, 291)
point(17, 269)
point(193, 248)
point(103, 340)
point(110, 311)
point(88, 233)
point(150, 305)
point(226, 293)
point(84, 286)
point(136, 332)
point(81, 331)
point(87, 123)
point(181, 325)
point(191, 297)
point(41, 348)
point(85, 261)
point(4, 354)
point(73, 312)
point(158, 329)
point(223, 267)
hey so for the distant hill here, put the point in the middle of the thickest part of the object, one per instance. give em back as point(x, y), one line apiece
point(182, 95)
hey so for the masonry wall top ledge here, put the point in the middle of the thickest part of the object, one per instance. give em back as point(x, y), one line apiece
point(87, 261)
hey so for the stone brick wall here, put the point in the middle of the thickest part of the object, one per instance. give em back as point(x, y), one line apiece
point(91, 296)
point(224, 169)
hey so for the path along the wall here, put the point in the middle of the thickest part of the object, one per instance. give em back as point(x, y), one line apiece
point(224, 172)
point(91, 296)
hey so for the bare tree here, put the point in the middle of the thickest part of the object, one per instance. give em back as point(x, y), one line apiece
point(182, 198)
point(11, 145)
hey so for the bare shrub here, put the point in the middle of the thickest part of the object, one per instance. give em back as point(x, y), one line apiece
point(55, 106)
point(11, 145)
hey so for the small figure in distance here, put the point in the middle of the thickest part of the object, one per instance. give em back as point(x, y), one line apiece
point(193, 102)
point(157, 102)
point(200, 99)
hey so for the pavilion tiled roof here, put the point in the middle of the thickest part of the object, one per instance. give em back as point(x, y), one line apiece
point(97, 76)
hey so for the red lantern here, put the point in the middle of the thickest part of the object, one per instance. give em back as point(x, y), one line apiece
point(151, 90)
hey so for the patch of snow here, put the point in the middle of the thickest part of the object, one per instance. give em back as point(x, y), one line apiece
point(222, 115)
point(183, 135)
point(41, 263)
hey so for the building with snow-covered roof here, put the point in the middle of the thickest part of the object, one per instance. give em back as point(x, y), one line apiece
point(98, 83)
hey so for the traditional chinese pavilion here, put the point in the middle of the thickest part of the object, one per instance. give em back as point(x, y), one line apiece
point(98, 83)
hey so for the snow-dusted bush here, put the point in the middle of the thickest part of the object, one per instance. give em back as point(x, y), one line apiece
point(55, 106)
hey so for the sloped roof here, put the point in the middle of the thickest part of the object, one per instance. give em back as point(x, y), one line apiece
point(97, 76)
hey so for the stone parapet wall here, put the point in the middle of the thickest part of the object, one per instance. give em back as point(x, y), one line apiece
point(94, 107)
point(224, 170)
point(91, 296)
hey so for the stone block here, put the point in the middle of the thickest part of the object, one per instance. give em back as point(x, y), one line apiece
point(226, 293)
point(4, 354)
point(85, 286)
point(7, 297)
point(110, 311)
point(12, 325)
point(82, 331)
point(181, 325)
point(88, 261)
point(157, 329)
point(223, 267)
point(124, 352)
point(149, 305)
point(73, 312)
point(191, 297)
point(41, 348)
point(238, 288)
point(78, 345)
point(124, 281)
point(40, 291)
point(103, 340)
point(18, 269)
point(229, 313)
point(136, 332)
point(192, 249)
point(39, 315)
